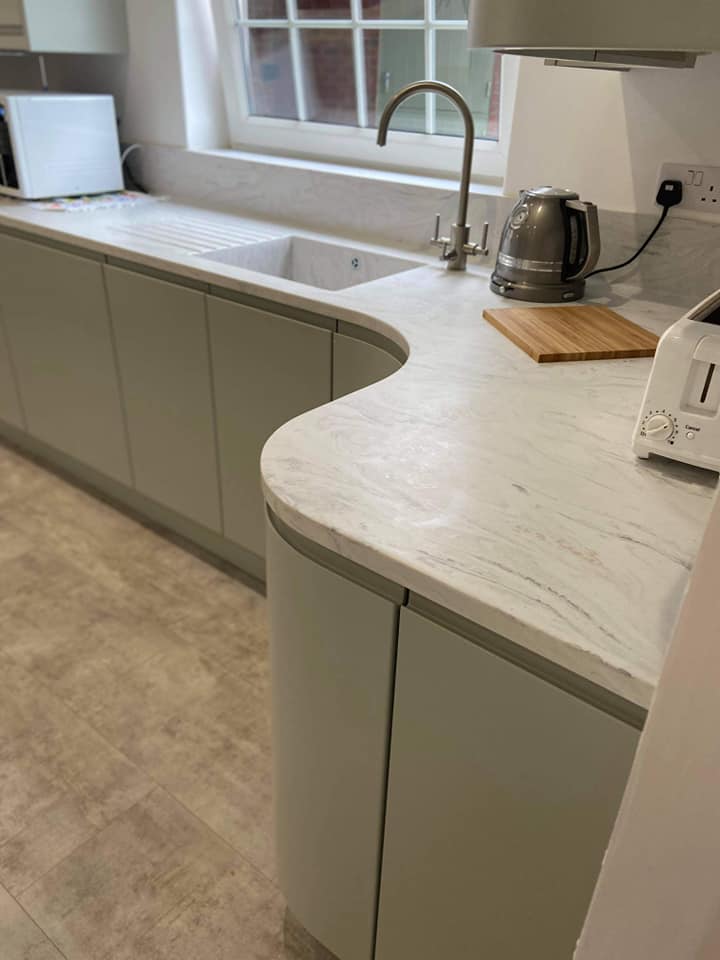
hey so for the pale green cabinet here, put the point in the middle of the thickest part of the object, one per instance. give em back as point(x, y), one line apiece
point(164, 360)
point(357, 364)
point(10, 409)
point(267, 369)
point(333, 650)
point(58, 328)
point(502, 795)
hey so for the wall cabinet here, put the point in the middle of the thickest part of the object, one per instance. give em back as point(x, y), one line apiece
point(333, 652)
point(164, 361)
point(10, 409)
point(357, 364)
point(267, 370)
point(58, 328)
point(63, 26)
point(502, 795)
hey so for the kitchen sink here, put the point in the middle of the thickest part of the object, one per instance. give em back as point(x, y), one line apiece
point(327, 265)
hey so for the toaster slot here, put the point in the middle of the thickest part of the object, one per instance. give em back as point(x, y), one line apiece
point(702, 389)
point(707, 384)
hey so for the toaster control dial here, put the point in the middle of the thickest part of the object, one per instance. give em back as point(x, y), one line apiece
point(659, 426)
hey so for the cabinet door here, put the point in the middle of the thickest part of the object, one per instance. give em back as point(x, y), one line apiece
point(333, 645)
point(267, 370)
point(502, 795)
point(357, 364)
point(10, 409)
point(58, 327)
point(164, 358)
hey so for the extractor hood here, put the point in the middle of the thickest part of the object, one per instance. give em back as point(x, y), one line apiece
point(611, 35)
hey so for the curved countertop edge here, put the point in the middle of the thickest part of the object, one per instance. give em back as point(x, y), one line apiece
point(583, 662)
point(620, 669)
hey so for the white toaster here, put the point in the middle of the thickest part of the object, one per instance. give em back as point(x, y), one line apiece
point(680, 413)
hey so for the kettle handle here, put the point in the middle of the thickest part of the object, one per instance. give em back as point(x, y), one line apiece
point(589, 212)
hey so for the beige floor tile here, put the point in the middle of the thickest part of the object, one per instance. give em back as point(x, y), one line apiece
point(83, 647)
point(13, 543)
point(128, 708)
point(215, 758)
point(105, 897)
point(49, 836)
point(237, 638)
point(20, 937)
point(238, 918)
point(33, 582)
point(21, 479)
point(27, 790)
point(47, 752)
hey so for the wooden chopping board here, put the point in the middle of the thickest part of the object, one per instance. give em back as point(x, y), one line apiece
point(550, 334)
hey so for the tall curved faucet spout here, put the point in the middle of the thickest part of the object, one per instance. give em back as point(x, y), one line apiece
point(457, 247)
point(435, 86)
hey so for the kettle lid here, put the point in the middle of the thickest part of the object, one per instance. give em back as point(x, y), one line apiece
point(556, 193)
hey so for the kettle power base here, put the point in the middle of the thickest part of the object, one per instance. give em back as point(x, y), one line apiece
point(555, 334)
point(565, 291)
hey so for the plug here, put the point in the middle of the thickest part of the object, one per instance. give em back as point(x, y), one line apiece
point(670, 194)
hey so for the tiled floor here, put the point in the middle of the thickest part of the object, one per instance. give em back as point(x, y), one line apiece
point(135, 796)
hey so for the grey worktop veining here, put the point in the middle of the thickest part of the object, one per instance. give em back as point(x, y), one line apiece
point(501, 489)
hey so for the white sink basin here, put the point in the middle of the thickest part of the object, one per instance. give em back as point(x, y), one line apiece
point(327, 265)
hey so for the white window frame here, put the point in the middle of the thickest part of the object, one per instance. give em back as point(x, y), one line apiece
point(417, 153)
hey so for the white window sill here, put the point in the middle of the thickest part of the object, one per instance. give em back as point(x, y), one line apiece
point(400, 178)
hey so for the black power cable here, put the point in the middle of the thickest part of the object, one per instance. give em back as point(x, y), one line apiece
point(669, 195)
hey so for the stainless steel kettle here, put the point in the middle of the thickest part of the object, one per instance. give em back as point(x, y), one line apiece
point(550, 243)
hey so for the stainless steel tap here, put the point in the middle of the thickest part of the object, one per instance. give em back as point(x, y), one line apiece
point(457, 247)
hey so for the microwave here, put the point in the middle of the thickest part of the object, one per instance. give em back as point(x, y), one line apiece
point(58, 145)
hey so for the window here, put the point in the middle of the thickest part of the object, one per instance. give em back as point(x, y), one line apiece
point(315, 75)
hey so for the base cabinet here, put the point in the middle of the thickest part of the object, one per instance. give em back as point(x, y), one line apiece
point(357, 364)
point(58, 328)
point(164, 360)
point(333, 652)
point(10, 409)
point(502, 795)
point(267, 370)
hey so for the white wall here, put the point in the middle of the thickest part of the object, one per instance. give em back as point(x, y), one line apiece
point(658, 896)
point(606, 134)
point(206, 123)
point(154, 104)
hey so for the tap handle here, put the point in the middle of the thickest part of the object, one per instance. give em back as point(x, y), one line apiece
point(484, 238)
point(436, 235)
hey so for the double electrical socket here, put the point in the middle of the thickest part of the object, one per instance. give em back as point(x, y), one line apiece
point(701, 186)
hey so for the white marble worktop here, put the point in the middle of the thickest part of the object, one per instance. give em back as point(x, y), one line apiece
point(502, 489)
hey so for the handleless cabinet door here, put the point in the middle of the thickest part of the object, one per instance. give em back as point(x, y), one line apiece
point(357, 364)
point(267, 369)
point(58, 327)
point(164, 358)
point(10, 409)
point(333, 650)
point(502, 796)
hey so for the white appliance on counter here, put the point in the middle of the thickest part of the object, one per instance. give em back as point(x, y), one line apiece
point(680, 413)
point(55, 145)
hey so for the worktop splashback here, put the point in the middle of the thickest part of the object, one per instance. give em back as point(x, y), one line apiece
point(681, 265)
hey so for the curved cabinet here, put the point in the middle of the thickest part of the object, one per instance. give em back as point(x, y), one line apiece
point(333, 653)
point(358, 363)
point(502, 795)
